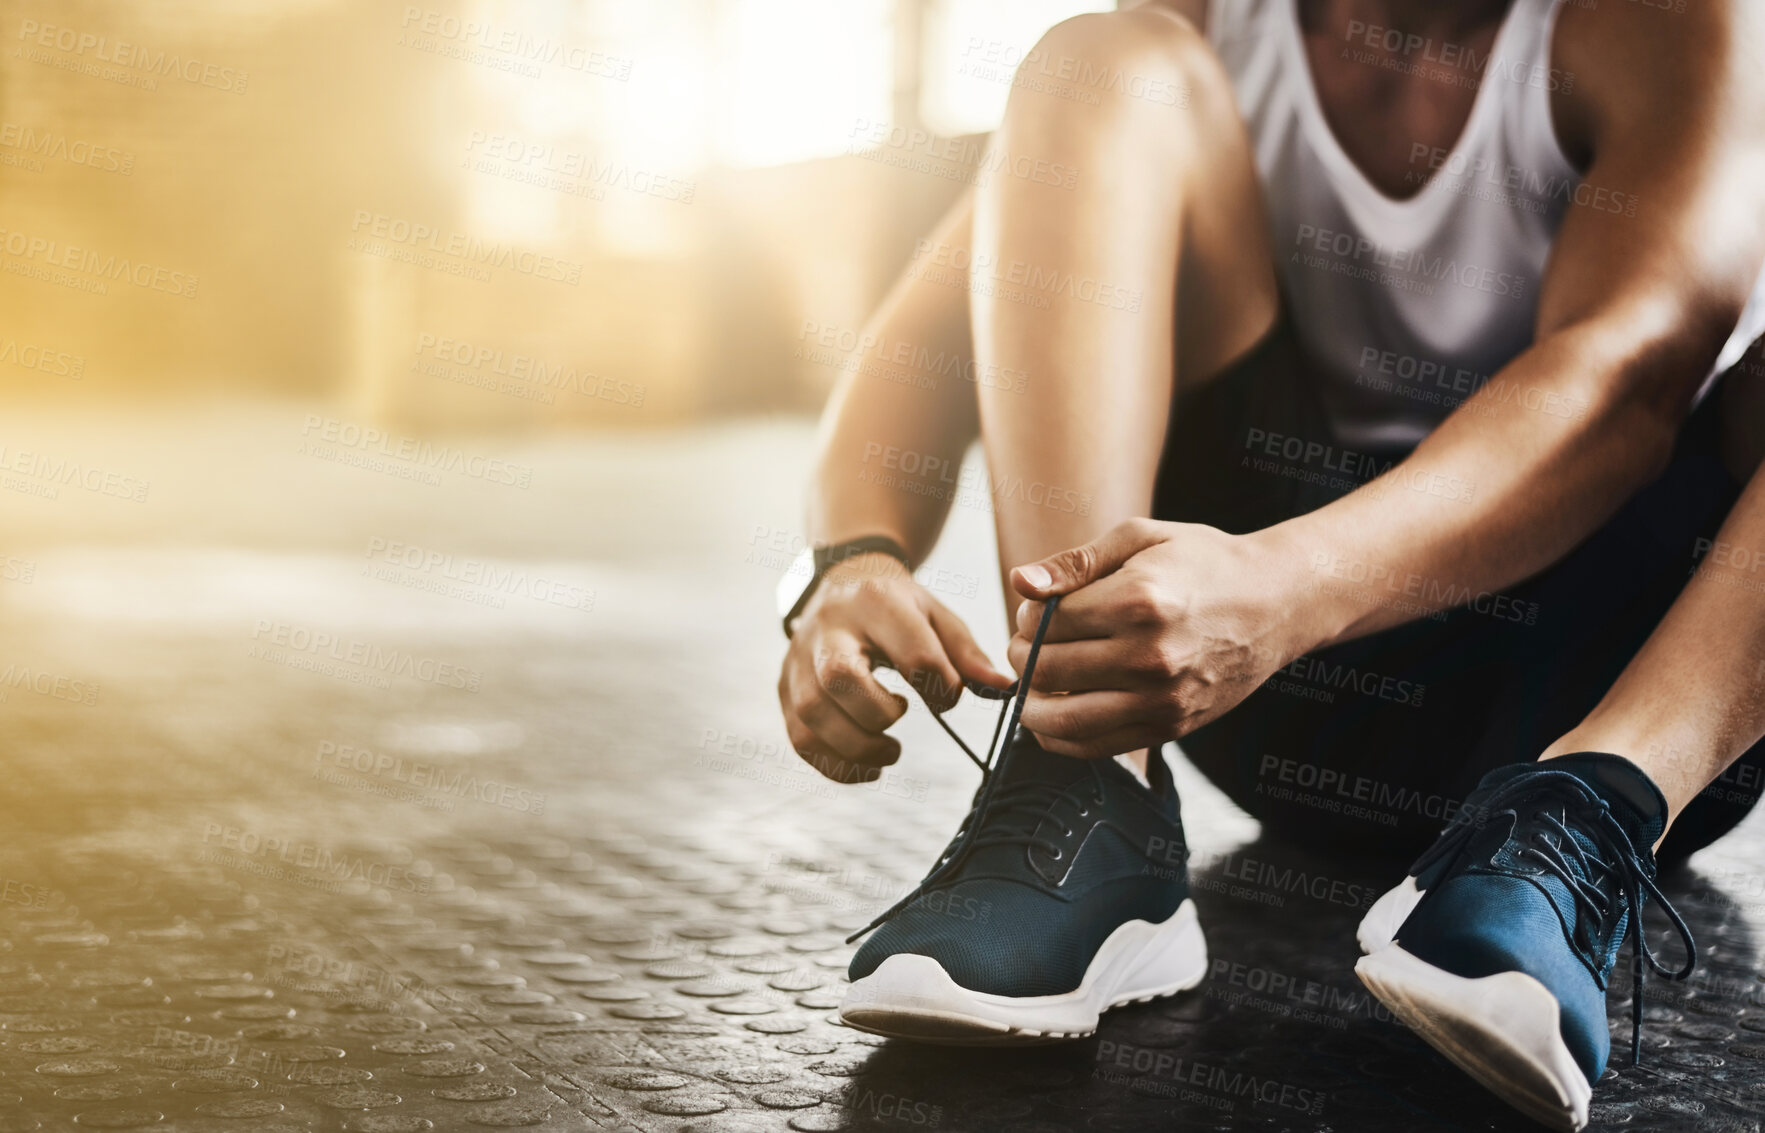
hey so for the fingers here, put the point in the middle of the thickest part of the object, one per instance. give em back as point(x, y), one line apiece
point(843, 672)
point(1089, 613)
point(1119, 742)
point(1088, 724)
point(959, 645)
point(835, 733)
point(918, 655)
point(1077, 666)
point(813, 689)
point(1080, 566)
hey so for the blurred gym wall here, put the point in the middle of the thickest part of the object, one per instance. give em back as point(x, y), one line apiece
point(470, 213)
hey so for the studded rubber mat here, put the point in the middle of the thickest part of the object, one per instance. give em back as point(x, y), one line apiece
point(593, 892)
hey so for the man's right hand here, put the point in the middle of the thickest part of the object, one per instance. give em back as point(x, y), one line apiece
point(866, 611)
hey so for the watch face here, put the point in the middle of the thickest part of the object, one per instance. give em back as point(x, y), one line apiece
point(795, 580)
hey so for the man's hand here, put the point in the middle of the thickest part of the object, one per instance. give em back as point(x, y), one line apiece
point(866, 610)
point(1163, 627)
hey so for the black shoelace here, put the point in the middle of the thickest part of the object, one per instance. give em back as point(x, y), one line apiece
point(1549, 843)
point(989, 801)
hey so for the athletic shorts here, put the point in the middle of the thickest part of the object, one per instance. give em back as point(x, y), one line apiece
point(1370, 746)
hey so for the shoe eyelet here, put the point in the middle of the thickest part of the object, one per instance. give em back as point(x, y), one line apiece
point(1057, 855)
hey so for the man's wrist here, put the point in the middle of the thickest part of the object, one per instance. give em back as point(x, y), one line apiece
point(797, 589)
point(1304, 595)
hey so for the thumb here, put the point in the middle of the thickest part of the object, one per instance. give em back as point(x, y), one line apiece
point(968, 657)
point(1082, 565)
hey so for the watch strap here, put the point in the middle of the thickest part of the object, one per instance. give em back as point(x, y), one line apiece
point(828, 557)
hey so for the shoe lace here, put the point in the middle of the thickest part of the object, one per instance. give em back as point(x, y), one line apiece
point(1606, 883)
point(1009, 815)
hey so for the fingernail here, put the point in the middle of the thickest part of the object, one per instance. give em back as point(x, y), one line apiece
point(1037, 575)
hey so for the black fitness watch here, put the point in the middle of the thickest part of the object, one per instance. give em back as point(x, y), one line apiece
point(806, 572)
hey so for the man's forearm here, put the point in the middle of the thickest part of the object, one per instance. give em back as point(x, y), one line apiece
point(1520, 473)
point(904, 413)
point(1692, 701)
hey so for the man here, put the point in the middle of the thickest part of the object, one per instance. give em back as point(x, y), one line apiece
point(1404, 317)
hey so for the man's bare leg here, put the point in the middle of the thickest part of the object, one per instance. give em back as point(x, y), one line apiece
point(1692, 701)
point(1147, 237)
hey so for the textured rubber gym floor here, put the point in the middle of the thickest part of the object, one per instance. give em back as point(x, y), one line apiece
point(501, 855)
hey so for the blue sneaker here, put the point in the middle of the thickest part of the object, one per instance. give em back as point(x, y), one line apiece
point(1064, 893)
point(1503, 963)
point(1379, 927)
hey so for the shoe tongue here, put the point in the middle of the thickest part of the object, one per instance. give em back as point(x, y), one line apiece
point(1026, 762)
point(1632, 795)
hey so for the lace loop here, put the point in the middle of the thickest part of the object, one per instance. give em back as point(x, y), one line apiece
point(1553, 848)
point(967, 838)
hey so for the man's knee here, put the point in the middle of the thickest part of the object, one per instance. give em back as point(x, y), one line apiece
point(1140, 64)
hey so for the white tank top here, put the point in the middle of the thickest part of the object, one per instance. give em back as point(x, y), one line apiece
point(1408, 306)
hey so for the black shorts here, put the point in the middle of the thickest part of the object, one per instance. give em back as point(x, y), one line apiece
point(1370, 746)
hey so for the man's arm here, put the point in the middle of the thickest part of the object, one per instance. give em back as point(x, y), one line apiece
point(898, 420)
point(1692, 701)
point(1633, 312)
point(1166, 626)
point(893, 413)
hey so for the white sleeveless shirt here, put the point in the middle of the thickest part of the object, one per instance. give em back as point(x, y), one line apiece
point(1409, 306)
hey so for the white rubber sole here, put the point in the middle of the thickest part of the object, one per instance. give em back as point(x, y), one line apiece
point(1379, 927)
point(1502, 1030)
point(912, 997)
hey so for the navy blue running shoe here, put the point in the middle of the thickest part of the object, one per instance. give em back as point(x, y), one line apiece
point(1503, 963)
point(1064, 893)
point(1379, 927)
